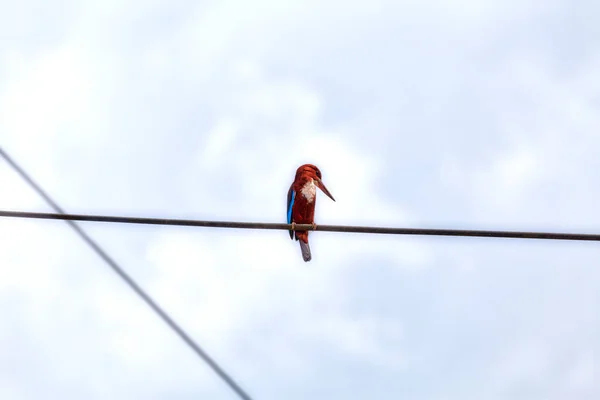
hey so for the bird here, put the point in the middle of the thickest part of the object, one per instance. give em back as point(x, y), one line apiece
point(301, 200)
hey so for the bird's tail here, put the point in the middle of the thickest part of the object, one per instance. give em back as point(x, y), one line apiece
point(305, 250)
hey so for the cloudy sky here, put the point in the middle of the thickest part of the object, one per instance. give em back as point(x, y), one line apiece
point(430, 113)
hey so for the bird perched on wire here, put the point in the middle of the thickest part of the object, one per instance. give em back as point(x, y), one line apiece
point(301, 200)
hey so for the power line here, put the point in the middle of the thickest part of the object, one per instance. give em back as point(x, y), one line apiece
point(305, 227)
point(136, 288)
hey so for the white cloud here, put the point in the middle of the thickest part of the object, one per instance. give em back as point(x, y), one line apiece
point(582, 376)
point(546, 140)
point(206, 110)
point(43, 98)
point(250, 283)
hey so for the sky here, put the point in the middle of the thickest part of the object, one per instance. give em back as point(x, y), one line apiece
point(430, 113)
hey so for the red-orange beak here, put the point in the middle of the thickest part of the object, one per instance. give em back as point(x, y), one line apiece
point(323, 188)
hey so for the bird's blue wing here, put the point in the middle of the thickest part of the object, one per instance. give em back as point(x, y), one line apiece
point(290, 203)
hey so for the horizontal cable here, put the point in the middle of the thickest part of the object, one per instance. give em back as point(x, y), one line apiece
point(305, 227)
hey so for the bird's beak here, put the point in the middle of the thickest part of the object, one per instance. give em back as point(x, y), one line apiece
point(324, 189)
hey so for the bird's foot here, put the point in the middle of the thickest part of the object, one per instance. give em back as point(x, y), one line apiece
point(314, 226)
point(293, 226)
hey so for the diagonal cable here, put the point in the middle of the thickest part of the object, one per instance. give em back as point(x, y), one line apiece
point(132, 284)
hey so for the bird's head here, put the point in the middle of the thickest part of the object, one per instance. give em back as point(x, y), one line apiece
point(311, 171)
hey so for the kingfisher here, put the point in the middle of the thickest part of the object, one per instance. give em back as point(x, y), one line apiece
point(301, 200)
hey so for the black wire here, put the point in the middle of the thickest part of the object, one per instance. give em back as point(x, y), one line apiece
point(305, 227)
point(113, 264)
